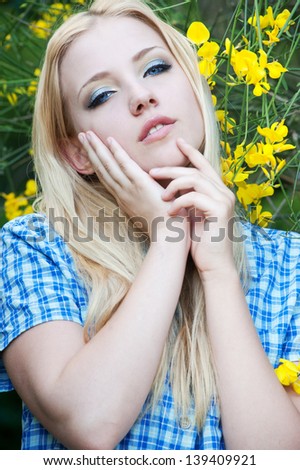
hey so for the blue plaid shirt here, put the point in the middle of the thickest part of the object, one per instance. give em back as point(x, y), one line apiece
point(41, 284)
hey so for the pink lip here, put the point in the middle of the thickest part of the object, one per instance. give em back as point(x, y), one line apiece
point(167, 123)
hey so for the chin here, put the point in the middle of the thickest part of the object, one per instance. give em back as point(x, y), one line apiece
point(168, 156)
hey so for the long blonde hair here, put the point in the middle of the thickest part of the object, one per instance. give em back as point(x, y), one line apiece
point(109, 269)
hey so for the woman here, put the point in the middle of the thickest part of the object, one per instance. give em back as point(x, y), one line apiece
point(125, 322)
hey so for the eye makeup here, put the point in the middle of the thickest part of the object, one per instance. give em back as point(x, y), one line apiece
point(153, 68)
point(99, 96)
point(156, 67)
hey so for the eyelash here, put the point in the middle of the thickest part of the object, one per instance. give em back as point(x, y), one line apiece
point(156, 68)
point(98, 99)
point(159, 65)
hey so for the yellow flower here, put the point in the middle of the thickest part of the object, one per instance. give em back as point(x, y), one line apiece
point(7, 42)
point(231, 174)
point(209, 50)
point(56, 8)
point(280, 165)
point(287, 372)
point(260, 218)
point(272, 36)
point(274, 172)
point(12, 98)
point(13, 205)
point(208, 64)
point(276, 133)
point(282, 18)
point(246, 41)
point(239, 152)
point(248, 66)
point(31, 90)
point(31, 188)
point(260, 154)
point(41, 28)
point(229, 48)
point(207, 68)
point(198, 32)
point(268, 20)
point(243, 61)
point(260, 88)
point(275, 69)
point(226, 123)
point(264, 21)
point(282, 147)
point(253, 193)
point(296, 387)
point(226, 147)
point(28, 210)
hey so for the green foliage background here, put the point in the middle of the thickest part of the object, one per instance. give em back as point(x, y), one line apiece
point(16, 167)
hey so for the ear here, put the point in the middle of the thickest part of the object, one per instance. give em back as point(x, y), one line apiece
point(77, 156)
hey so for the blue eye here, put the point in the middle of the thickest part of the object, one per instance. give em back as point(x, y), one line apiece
point(99, 97)
point(156, 67)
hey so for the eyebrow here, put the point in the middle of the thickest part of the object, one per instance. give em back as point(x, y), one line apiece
point(98, 76)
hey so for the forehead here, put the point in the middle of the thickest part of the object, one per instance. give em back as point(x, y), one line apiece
point(111, 39)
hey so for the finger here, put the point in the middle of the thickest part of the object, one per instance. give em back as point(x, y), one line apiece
point(198, 160)
point(199, 201)
point(173, 172)
point(98, 156)
point(192, 182)
point(128, 166)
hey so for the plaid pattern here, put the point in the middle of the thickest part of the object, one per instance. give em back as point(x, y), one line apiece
point(41, 284)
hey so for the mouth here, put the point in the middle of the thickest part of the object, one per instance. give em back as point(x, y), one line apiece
point(156, 128)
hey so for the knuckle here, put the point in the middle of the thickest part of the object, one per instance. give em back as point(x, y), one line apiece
point(123, 167)
point(106, 166)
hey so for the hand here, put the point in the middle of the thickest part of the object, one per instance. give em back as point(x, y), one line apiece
point(135, 191)
point(201, 190)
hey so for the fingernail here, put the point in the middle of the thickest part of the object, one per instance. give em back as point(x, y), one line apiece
point(81, 137)
point(89, 136)
point(181, 140)
point(155, 171)
point(110, 140)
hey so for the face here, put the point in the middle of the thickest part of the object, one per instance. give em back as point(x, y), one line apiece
point(121, 80)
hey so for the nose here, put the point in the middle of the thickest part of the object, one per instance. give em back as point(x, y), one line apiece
point(141, 99)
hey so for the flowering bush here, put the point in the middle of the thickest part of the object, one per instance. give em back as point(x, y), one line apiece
point(15, 206)
point(254, 138)
point(252, 72)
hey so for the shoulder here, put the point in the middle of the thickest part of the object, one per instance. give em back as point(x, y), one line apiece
point(31, 238)
point(34, 230)
point(38, 273)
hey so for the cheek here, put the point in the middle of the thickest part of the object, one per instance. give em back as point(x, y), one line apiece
point(111, 125)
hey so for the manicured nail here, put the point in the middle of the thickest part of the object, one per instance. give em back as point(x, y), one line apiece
point(89, 136)
point(110, 140)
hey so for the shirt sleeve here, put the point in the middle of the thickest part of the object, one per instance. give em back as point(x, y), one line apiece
point(38, 281)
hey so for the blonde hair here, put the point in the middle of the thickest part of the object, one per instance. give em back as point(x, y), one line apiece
point(107, 268)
